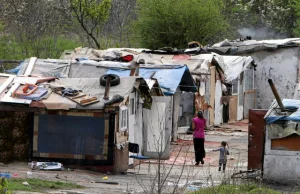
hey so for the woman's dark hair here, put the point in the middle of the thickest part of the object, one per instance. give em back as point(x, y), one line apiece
point(224, 143)
point(200, 114)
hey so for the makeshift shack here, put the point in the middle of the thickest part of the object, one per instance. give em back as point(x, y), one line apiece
point(77, 120)
point(276, 59)
point(225, 83)
point(172, 79)
point(281, 146)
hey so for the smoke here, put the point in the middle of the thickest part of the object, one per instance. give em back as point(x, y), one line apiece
point(260, 33)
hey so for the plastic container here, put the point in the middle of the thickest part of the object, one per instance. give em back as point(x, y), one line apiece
point(5, 175)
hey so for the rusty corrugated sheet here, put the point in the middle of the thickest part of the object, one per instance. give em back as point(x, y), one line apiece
point(256, 138)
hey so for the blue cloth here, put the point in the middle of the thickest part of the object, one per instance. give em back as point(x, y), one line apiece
point(168, 79)
point(291, 106)
point(16, 69)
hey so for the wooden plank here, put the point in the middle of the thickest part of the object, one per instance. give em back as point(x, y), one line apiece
point(233, 107)
point(6, 83)
point(81, 98)
point(290, 143)
point(212, 94)
point(218, 107)
point(8, 97)
point(30, 66)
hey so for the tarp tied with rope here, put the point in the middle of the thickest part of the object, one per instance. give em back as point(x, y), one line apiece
point(168, 79)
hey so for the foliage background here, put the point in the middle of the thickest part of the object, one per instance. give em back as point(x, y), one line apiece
point(45, 28)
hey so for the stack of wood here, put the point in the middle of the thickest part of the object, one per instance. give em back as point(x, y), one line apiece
point(14, 135)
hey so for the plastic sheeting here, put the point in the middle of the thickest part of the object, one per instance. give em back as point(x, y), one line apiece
point(293, 111)
point(277, 131)
point(91, 86)
point(233, 66)
point(238, 47)
point(168, 79)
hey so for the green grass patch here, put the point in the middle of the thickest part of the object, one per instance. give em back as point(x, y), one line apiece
point(38, 185)
point(236, 189)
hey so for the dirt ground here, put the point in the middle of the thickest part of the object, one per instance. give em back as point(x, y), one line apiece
point(180, 164)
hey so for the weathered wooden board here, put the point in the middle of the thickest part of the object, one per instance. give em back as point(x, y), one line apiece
point(212, 94)
point(233, 107)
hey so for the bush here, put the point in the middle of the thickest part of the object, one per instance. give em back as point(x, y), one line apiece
point(4, 186)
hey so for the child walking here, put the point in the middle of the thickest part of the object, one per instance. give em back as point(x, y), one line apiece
point(223, 155)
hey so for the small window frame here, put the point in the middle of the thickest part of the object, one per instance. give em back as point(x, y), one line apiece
point(123, 119)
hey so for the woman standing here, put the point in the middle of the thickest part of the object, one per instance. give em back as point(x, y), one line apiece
point(198, 126)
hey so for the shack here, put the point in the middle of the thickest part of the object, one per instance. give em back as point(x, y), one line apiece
point(281, 145)
point(276, 59)
point(225, 84)
point(76, 120)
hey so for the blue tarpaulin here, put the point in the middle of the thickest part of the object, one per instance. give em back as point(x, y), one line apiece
point(168, 79)
point(292, 107)
point(16, 69)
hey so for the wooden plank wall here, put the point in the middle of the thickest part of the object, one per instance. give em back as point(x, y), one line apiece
point(233, 106)
point(290, 143)
point(212, 95)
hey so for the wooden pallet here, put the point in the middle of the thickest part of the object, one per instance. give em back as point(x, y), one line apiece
point(81, 98)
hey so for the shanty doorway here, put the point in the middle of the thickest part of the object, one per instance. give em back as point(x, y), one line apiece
point(158, 127)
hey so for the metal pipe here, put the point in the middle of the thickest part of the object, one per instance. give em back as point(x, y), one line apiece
point(277, 97)
point(107, 87)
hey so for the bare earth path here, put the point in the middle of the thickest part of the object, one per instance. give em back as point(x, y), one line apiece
point(182, 156)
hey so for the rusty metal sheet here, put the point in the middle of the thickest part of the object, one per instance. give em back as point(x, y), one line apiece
point(256, 138)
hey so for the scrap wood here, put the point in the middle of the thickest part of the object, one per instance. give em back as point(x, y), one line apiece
point(81, 98)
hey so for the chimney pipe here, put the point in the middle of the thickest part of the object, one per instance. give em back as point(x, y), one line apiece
point(277, 97)
point(137, 69)
point(107, 87)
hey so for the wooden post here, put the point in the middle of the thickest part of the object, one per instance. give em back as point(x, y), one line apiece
point(107, 87)
point(277, 97)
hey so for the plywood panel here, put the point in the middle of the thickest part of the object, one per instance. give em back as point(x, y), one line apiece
point(290, 143)
point(256, 138)
point(218, 105)
point(212, 94)
point(157, 126)
point(233, 107)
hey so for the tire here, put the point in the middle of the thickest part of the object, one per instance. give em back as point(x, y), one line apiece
point(115, 80)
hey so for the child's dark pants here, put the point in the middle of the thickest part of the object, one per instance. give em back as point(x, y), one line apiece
point(220, 166)
point(222, 162)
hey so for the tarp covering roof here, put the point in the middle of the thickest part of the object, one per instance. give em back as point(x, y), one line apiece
point(246, 46)
point(280, 125)
point(168, 79)
point(293, 109)
point(89, 86)
point(92, 87)
point(233, 66)
point(198, 64)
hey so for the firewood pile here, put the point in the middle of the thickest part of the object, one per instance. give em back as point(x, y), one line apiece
point(14, 135)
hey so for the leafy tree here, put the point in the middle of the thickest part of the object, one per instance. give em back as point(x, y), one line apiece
point(33, 28)
point(174, 23)
point(121, 14)
point(91, 15)
point(296, 29)
point(274, 18)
